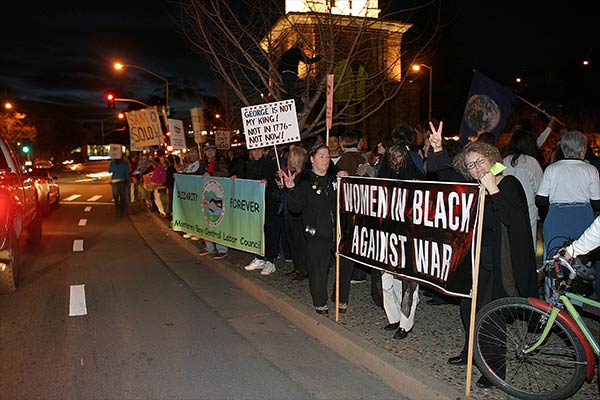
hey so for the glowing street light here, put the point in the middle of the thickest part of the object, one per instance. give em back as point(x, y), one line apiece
point(417, 67)
point(8, 105)
point(119, 66)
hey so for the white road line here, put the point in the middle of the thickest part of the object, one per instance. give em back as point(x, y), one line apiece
point(96, 203)
point(87, 209)
point(71, 197)
point(77, 305)
point(94, 198)
point(78, 245)
point(82, 222)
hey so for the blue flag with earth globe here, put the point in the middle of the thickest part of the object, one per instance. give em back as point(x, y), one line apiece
point(488, 108)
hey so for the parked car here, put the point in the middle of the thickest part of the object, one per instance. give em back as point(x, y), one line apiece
point(48, 190)
point(20, 214)
point(47, 164)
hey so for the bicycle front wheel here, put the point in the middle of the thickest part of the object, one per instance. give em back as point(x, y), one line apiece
point(504, 328)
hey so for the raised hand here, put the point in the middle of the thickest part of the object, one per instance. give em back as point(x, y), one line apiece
point(436, 136)
point(288, 178)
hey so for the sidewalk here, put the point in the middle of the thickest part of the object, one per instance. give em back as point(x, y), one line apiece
point(415, 366)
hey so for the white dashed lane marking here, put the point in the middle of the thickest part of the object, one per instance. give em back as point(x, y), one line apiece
point(77, 306)
point(87, 209)
point(71, 197)
point(82, 222)
point(78, 245)
point(95, 198)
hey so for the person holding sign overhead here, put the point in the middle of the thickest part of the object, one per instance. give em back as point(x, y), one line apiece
point(507, 260)
point(263, 169)
point(119, 168)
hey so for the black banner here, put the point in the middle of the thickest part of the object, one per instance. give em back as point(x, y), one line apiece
point(422, 231)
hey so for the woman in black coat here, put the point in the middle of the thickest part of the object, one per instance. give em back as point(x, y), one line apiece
point(315, 197)
point(507, 261)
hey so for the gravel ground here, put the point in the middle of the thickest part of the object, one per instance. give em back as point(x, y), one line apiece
point(436, 336)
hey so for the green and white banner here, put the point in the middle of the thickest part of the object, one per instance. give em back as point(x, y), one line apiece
point(223, 210)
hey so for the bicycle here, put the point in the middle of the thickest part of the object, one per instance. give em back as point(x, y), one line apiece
point(532, 349)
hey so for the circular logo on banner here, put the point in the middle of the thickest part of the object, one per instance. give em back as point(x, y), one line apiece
point(213, 207)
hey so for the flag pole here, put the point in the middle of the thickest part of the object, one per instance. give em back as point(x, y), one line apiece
point(540, 110)
point(337, 253)
point(471, 326)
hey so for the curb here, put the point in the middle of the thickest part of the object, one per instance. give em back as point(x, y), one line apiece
point(395, 373)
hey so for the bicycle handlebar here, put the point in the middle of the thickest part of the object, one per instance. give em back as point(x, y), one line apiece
point(564, 262)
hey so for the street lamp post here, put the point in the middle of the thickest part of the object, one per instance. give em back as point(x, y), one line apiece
point(120, 66)
point(417, 67)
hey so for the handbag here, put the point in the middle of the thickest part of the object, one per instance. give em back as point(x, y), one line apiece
point(159, 175)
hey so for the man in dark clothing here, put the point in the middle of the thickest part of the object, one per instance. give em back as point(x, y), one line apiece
point(351, 158)
point(288, 68)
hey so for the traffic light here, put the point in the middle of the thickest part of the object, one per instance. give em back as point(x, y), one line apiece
point(110, 101)
point(25, 149)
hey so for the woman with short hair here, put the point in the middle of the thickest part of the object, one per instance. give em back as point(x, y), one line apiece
point(507, 261)
point(570, 188)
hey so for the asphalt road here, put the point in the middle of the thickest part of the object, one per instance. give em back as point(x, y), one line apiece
point(98, 315)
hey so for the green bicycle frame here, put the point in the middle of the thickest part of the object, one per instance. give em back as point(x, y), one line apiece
point(566, 300)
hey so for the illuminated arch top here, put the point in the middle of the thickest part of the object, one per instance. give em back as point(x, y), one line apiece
point(357, 8)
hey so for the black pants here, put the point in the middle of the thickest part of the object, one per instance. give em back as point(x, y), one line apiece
point(295, 234)
point(487, 291)
point(268, 229)
point(320, 257)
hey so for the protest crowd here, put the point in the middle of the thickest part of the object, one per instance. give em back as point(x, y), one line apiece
point(559, 192)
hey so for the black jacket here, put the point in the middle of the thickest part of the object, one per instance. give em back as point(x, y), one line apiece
point(263, 168)
point(315, 198)
point(509, 208)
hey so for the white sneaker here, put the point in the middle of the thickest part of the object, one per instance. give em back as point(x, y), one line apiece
point(195, 238)
point(187, 236)
point(255, 264)
point(268, 268)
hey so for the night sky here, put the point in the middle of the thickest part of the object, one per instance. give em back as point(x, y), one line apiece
point(60, 54)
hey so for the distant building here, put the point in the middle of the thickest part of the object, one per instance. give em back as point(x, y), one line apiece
point(350, 27)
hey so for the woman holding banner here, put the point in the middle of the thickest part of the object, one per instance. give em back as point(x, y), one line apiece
point(400, 297)
point(507, 260)
point(315, 197)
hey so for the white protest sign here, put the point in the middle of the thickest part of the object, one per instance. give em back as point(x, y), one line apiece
point(144, 126)
point(197, 123)
point(270, 124)
point(133, 146)
point(177, 134)
point(115, 151)
point(223, 140)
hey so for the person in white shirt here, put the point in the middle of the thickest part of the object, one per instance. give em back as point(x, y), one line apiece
point(588, 241)
point(570, 188)
point(522, 164)
point(193, 162)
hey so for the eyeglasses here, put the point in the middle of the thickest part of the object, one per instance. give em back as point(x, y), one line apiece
point(473, 164)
